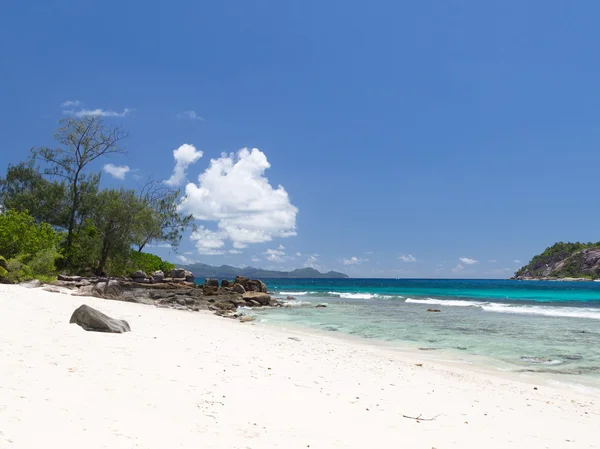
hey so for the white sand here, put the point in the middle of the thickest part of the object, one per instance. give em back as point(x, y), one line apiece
point(192, 380)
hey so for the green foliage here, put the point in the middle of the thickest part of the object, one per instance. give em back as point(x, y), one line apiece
point(3, 273)
point(3, 262)
point(148, 263)
point(18, 271)
point(568, 252)
point(43, 263)
point(21, 235)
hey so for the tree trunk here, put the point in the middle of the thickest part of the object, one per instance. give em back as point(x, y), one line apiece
point(104, 256)
point(74, 208)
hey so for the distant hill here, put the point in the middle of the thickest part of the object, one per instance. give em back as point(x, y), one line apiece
point(202, 270)
point(564, 260)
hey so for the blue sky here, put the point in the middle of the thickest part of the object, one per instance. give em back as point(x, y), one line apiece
point(406, 136)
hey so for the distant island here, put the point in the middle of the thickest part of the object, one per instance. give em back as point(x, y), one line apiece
point(564, 261)
point(202, 270)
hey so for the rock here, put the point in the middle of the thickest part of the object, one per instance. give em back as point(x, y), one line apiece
point(91, 319)
point(294, 338)
point(141, 280)
point(320, 305)
point(111, 289)
point(263, 287)
point(210, 290)
point(253, 286)
point(225, 283)
point(253, 303)
point(177, 273)
point(238, 288)
point(139, 274)
point(290, 298)
point(189, 276)
point(211, 282)
point(241, 280)
point(158, 276)
point(262, 298)
point(35, 283)
point(246, 318)
point(433, 310)
point(64, 277)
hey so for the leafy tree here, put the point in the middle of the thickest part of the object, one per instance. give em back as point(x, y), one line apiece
point(160, 220)
point(21, 236)
point(26, 190)
point(82, 141)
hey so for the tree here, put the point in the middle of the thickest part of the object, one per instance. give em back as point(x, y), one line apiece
point(21, 236)
point(25, 189)
point(82, 140)
point(160, 220)
point(115, 217)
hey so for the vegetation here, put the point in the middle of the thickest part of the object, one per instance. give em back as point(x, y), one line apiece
point(55, 217)
point(561, 260)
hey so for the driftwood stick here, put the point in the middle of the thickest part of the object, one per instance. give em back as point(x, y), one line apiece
point(418, 418)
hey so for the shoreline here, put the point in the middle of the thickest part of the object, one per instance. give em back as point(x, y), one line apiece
point(183, 379)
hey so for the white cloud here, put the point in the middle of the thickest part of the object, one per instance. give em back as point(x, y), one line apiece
point(188, 253)
point(354, 261)
point(492, 261)
point(190, 115)
point(275, 255)
point(83, 112)
point(116, 171)
point(234, 192)
point(281, 247)
point(298, 254)
point(71, 103)
point(517, 261)
point(408, 258)
point(184, 156)
point(458, 268)
point(311, 261)
point(256, 259)
point(185, 260)
point(235, 251)
point(160, 245)
point(208, 242)
point(468, 261)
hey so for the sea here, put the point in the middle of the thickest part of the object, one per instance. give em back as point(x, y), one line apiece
point(529, 327)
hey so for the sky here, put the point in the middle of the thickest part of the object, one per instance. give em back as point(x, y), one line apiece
point(381, 139)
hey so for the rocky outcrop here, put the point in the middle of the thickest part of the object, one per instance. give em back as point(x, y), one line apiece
point(174, 293)
point(564, 261)
point(91, 319)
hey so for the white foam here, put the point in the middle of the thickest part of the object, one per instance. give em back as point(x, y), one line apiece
point(565, 312)
point(293, 293)
point(446, 302)
point(353, 295)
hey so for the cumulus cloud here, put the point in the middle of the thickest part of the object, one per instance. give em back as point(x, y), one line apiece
point(492, 261)
point(298, 254)
point(71, 103)
point(186, 260)
point(354, 261)
point(275, 255)
point(208, 242)
point(311, 261)
point(116, 171)
point(517, 261)
point(191, 115)
point(184, 156)
point(256, 259)
point(468, 261)
point(408, 258)
point(234, 192)
point(458, 268)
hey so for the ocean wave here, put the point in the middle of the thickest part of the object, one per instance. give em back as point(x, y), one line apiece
point(296, 303)
point(560, 312)
point(563, 312)
point(294, 293)
point(352, 295)
point(446, 302)
point(540, 360)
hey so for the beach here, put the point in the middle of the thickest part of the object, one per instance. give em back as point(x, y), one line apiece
point(189, 380)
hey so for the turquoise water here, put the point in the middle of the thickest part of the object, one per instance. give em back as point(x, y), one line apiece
point(526, 326)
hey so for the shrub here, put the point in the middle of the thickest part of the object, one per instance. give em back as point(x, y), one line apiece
point(17, 271)
point(21, 236)
point(148, 263)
